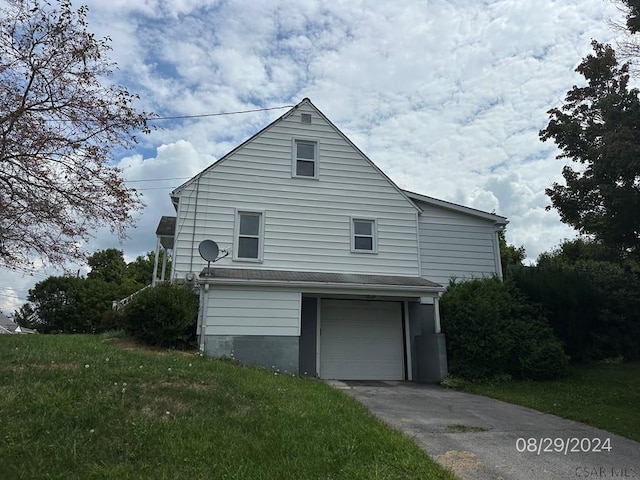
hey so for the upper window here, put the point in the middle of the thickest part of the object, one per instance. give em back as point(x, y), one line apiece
point(249, 236)
point(305, 159)
point(363, 235)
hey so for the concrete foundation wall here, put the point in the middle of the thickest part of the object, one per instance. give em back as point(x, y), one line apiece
point(273, 352)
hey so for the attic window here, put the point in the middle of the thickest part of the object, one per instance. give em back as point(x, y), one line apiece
point(305, 118)
point(364, 235)
point(305, 159)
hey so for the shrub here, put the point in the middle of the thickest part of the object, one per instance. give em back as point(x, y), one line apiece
point(570, 303)
point(493, 331)
point(164, 315)
point(591, 305)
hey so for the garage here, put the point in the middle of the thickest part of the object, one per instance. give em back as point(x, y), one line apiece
point(361, 340)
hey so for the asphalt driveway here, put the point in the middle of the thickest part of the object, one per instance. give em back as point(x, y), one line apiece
point(480, 438)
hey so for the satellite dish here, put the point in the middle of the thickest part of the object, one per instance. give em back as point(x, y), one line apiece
point(209, 251)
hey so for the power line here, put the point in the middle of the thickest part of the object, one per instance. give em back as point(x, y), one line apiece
point(168, 187)
point(178, 117)
point(155, 179)
point(181, 117)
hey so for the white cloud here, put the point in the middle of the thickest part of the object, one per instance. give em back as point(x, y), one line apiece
point(447, 97)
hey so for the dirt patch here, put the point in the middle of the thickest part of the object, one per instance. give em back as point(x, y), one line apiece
point(130, 343)
point(178, 384)
point(164, 408)
point(460, 463)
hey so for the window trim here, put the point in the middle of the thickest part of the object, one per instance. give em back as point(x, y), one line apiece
point(294, 157)
point(236, 235)
point(374, 234)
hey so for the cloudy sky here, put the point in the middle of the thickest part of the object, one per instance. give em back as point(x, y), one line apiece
point(445, 96)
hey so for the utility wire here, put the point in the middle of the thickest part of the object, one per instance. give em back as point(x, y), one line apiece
point(202, 115)
point(178, 117)
point(156, 179)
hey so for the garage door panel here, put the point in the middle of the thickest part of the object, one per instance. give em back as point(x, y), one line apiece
point(361, 340)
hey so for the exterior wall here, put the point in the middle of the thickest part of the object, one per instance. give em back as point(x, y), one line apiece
point(453, 244)
point(242, 311)
point(307, 221)
point(273, 352)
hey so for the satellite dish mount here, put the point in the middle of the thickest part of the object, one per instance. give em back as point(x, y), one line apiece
point(209, 251)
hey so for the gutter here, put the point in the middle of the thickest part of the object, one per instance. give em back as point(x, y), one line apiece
point(316, 285)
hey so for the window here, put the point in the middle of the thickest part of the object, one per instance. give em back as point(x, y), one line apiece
point(305, 159)
point(363, 235)
point(249, 235)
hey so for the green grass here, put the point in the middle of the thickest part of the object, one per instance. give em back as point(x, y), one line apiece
point(604, 395)
point(82, 407)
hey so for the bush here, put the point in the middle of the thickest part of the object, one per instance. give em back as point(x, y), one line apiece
point(591, 305)
point(493, 331)
point(164, 315)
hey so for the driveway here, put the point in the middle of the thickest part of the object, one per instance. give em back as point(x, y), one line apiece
point(480, 438)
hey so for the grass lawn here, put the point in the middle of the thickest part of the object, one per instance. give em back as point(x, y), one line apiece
point(84, 407)
point(604, 395)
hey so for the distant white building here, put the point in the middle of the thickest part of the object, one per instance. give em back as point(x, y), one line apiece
point(9, 326)
point(6, 324)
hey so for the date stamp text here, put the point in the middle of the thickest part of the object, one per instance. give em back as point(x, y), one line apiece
point(542, 445)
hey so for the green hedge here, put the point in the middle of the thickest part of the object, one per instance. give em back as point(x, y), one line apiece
point(164, 315)
point(493, 331)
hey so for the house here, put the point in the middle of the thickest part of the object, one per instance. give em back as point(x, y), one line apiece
point(330, 269)
point(9, 326)
point(6, 324)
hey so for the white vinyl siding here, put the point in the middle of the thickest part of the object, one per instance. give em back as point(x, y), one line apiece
point(241, 311)
point(307, 225)
point(455, 245)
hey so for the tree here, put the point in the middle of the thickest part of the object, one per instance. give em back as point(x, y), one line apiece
point(510, 256)
point(628, 45)
point(572, 251)
point(141, 269)
point(107, 265)
point(83, 305)
point(59, 121)
point(599, 127)
point(632, 11)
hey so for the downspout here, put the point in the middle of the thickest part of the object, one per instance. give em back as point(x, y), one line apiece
point(496, 250)
point(436, 314)
point(203, 318)
point(195, 222)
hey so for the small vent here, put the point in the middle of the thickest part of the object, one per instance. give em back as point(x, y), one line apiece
point(305, 118)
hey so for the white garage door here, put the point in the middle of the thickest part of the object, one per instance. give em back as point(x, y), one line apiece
point(361, 340)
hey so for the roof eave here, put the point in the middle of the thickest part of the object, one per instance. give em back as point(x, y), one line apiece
point(497, 219)
point(418, 290)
